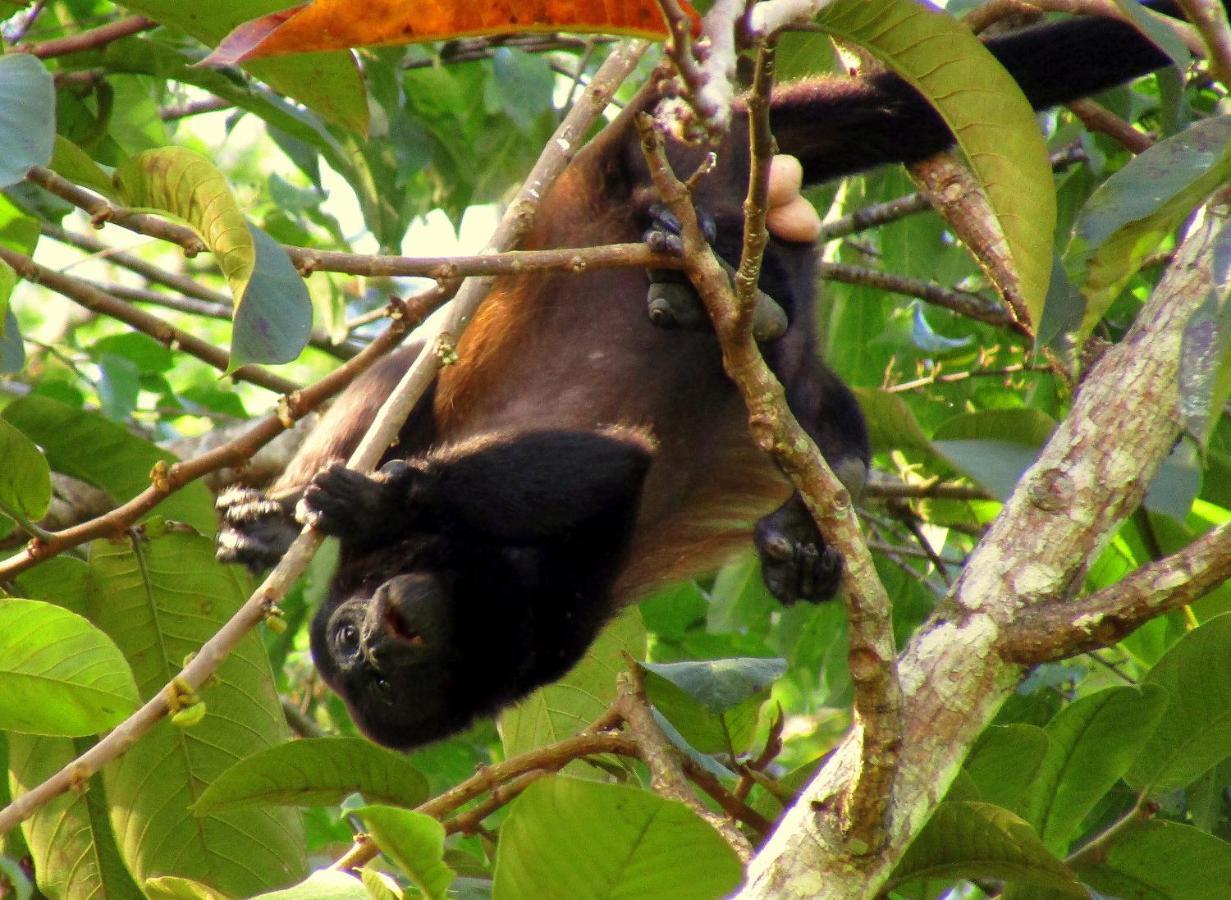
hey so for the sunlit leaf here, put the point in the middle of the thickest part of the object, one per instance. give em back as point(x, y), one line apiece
point(567, 839)
point(413, 840)
point(1140, 205)
point(25, 477)
point(989, 116)
point(70, 839)
point(87, 446)
point(570, 704)
point(316, 772)
point(59, 675)
point(160, 596)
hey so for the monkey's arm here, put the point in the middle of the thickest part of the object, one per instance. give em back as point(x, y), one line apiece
point(519, 488)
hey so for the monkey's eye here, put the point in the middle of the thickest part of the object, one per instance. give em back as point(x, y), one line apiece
point(347, 639)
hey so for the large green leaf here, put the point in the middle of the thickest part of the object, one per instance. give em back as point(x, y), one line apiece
point(326, 884)
point(984, 108)
point(326, 82)
point(1163, 861)
point(580, 840)
point(1003, 764)
point(25, 478)
point(59, 675)
point(1136, 208)
point(713, 703)
point(416, 842)
point(160, 596)
point(569, 705)
point(965, 839)
point(1195, 732)
point(1092, 743)
point(316, 772)
point(27, 116)
point(70, 838)
point(87, 446)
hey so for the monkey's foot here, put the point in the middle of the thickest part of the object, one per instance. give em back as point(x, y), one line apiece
point(255, 531)
point(796, 564)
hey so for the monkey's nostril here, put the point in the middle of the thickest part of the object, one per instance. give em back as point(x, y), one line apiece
point(398, 627)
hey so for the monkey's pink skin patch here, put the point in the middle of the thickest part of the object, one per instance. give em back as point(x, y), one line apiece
point(786, 176)
point(795, 221)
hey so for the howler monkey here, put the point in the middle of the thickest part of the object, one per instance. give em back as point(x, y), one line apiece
point(577, 455)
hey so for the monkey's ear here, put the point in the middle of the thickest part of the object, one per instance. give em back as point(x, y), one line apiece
point(537, 484)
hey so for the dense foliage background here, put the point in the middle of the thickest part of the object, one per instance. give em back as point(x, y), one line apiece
point(1111, 768)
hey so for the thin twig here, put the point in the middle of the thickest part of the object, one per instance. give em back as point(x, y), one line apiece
point(774, 429)
point(90, 297)
point(93, 39)
point(973, 306)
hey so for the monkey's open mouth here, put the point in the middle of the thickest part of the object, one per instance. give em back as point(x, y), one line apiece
point(397, 627)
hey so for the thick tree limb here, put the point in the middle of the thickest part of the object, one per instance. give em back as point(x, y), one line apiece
point(1090, 476)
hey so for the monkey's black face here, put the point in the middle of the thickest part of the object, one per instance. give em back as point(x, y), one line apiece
point(387, 655)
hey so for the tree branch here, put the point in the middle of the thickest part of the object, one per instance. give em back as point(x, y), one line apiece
point(775, 430)
point(1091, 474)
point(1060, 630)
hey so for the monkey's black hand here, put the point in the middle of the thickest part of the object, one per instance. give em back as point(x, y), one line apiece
point(673, 303)
point(256, 530)
point(796, 563)
point(355, 507)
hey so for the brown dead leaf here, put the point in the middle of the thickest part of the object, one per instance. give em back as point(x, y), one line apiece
point(338, 24)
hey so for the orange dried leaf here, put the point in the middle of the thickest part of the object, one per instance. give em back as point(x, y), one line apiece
point(337, 24)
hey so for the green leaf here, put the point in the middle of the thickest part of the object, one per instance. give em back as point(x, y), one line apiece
point(984, 108)
point(721, 684)
point(1163, 861)
point(971, 840)
point(316, 772)
point(59, 675)
point(994, 447)
point(8, 281)
point(1092, 743)
point(12, 350)
point(1003, 764)
point(713, 703)
point(891, 422)
point(570, 704)
point(70, 838)
point(327, 884)
point(25, 477)
point(160, 598)
point(416, 842)
point(328, 83)
point(580, 840)
point(1140, 205)
point(73, 163)
point(27, 116)
point(172, 887)
point(87, 446)
point(60, 580)
point(274, 318)
point(1195, 732)
point(1205, 354)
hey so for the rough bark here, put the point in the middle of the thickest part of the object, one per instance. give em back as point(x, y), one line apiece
point(1093, 473)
